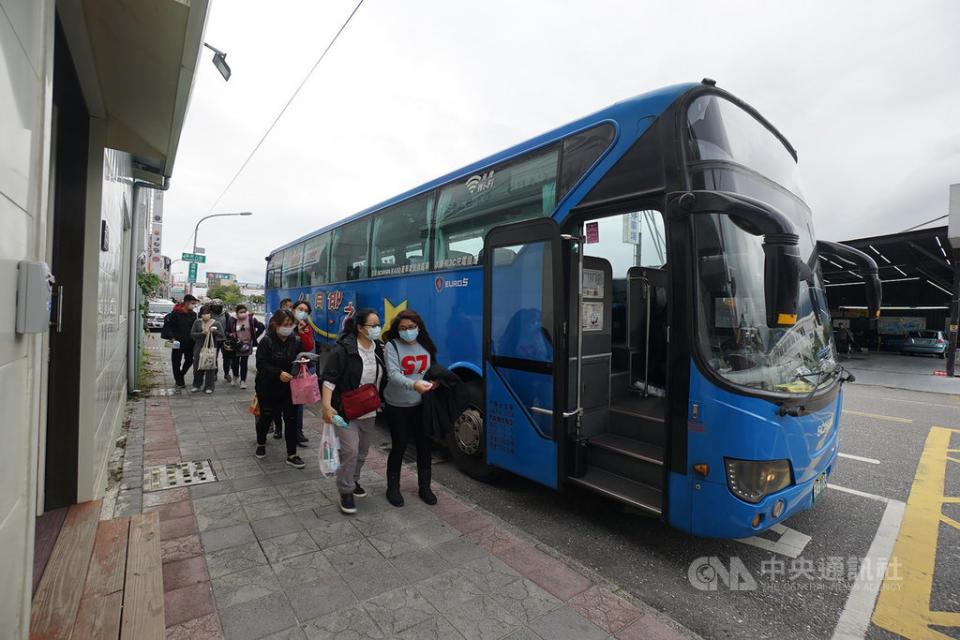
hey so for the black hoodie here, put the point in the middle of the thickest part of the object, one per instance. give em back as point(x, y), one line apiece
point(177, 325)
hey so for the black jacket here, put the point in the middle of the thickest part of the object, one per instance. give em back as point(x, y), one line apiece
point(345, 367)
point(177, 325)
point(273, 356)
point(444, 404)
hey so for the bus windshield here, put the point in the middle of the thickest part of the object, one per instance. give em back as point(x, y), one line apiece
point(733, 335)
point(730, 150)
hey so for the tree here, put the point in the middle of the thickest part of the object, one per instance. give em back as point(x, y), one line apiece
point(256, 300)
point(229, 293)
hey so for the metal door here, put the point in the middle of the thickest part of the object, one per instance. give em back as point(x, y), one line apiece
point(524, 349)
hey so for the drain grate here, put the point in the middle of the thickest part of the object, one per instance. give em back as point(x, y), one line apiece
point(178, 474)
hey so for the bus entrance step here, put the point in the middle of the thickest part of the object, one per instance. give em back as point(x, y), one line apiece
point(623, 445)
point(623, 490)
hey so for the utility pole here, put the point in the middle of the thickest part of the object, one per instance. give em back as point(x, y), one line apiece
point(954, 313)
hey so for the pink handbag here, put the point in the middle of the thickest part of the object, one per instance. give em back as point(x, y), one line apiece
point(305, 388)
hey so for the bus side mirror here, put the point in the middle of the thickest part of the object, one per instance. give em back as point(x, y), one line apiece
point(873, 295)
point(781, 278)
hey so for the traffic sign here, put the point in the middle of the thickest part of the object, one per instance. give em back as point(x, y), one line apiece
point(193, 257)
point(192, 274)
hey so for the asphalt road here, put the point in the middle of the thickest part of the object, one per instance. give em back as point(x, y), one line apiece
point(783, 597)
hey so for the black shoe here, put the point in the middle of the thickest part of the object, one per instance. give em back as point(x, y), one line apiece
point(180, 385)
point(226, 377)
point(427, 496)
point(278, 434)
point(302, 438)
point(298, 463)
point(359, 491)
point(261, 451)
point(394, 496)
point(347, 504)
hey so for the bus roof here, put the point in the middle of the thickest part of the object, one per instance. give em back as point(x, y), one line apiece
point(646, 104)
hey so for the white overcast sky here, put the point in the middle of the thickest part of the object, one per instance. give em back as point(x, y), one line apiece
point(867, 92)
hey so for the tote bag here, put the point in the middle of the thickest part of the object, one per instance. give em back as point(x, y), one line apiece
point(329, 451)
point(208, 353)
point(305, 388)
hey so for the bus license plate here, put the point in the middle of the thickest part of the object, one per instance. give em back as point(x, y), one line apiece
point(819, 485)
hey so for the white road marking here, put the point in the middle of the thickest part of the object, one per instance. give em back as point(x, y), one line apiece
point(791, 542)
point(862, 494)
point(855, 617)
point(860, 458)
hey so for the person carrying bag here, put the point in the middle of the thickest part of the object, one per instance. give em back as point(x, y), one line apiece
point(353, 379)
point(207, 334)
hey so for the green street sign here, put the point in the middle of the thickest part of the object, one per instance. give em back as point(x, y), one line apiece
point(192, 274)
point(193, 257)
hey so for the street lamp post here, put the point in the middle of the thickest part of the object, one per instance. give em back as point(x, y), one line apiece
point(212, 215)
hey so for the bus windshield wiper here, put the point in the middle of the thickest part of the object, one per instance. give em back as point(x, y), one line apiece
point(821, 375)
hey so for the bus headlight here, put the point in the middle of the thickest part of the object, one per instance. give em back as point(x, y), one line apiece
point(751, 480)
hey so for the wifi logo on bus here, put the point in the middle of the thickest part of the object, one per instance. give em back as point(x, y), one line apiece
point(480, 182)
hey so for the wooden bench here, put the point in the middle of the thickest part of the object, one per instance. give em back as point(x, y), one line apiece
point(104, 580)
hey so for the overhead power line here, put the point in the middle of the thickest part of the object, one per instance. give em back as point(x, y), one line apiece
point(284, 109)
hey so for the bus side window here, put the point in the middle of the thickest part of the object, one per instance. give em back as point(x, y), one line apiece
point(350, 246)
point(292, 259)
point(520, 189)
point(316, 261)
point(401, 236)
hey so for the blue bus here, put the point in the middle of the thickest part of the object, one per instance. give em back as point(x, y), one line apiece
point(634, 301)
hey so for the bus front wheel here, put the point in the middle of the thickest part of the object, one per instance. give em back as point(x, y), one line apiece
point(467, 439)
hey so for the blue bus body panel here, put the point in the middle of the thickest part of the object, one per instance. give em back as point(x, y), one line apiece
point(449, 302)
point(632, 116)
point(747, 428)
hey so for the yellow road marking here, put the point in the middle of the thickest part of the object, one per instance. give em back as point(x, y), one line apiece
point(904, 603)
point(878, 415)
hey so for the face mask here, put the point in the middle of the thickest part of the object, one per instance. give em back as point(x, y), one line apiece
point(241, 316)
point(409, 335)
point(205, 317)
point(285, 331)
point(301, 315)
point(373, 333)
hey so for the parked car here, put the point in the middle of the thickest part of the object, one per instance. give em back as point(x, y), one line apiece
point(157, 310)
point(925, 342)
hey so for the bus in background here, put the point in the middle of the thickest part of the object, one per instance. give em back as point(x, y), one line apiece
point(634, 301)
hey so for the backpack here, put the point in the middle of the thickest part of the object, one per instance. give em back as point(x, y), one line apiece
point(165, 333)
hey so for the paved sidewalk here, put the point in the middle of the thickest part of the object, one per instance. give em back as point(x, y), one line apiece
point(265, 553)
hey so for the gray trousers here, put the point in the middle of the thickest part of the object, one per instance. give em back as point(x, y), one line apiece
point(354, 442)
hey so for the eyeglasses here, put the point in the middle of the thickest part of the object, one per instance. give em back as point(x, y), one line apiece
point(372, 326)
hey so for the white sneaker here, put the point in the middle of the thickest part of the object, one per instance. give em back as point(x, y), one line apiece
point(233, 382)
point(243, 384)
point(194, 389)
point(209, 391)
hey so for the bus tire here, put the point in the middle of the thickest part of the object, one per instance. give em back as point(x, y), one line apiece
point(467, 439)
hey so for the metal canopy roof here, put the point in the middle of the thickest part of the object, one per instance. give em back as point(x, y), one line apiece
point(914, 266)
point(136, 62)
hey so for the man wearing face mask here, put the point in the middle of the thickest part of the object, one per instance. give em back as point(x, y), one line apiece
point(176, 328)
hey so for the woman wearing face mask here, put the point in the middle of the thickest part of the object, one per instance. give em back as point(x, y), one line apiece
point(246, 330)
point(356, 360)
point(205, 325)
point(409, 351)
point(301, 312)
point(276, 354)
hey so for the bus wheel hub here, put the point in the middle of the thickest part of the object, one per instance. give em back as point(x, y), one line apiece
point(468, 430)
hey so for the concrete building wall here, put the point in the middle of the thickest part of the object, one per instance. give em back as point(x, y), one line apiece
point(26, 58)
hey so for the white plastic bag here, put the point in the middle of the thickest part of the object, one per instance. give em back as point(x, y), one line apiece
point(329, 451)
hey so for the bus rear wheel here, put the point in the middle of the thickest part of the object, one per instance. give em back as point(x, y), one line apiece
point(467, 439)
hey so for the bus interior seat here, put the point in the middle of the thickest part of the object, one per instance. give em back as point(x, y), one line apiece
point(503, 256)
point(456, 255)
